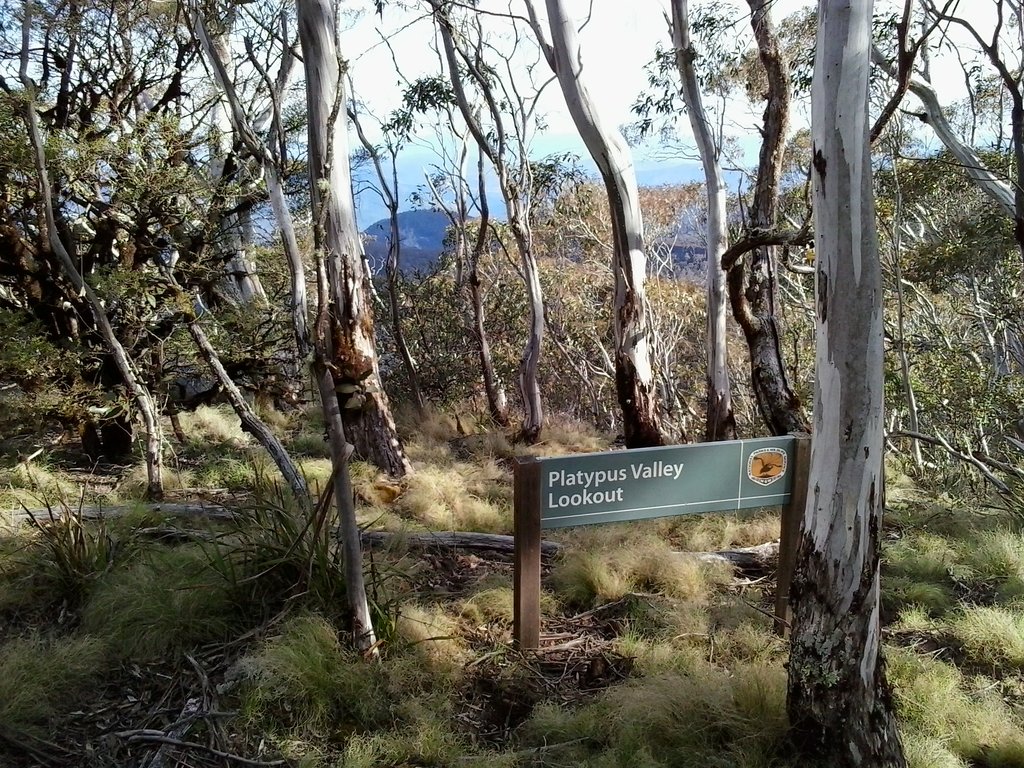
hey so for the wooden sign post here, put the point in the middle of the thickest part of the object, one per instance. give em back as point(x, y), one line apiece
point(618, 486)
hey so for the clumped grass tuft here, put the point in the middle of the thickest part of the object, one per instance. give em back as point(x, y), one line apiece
point(589, 577)
point(309, 445)
point(899, 592)
point(992, 636)
point(41, 677)
point(431, 634)
point(462, 497)
point(928, 752)
point(564, 436)
point(923, 557)
point(494, 605)
point(164, 604)
point(428, 742)
point(34, 484)
point(712, 716)
point(310, 682)
point(134, 484)
point(213, 425)
point(997, 558)
point(709, 533)
point(936, 706)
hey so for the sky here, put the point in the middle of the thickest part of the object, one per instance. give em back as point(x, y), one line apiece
point(616, 44)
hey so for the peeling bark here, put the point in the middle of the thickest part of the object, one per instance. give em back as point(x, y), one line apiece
point(634, 376)
point(751, 281)
point(839, 703)
point(365, 410)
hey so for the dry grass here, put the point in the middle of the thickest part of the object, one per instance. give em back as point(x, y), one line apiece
point(464, 497)
point(213, 425)
point(594, 575)
point(134, 483)
point(34, 485)
point(432, 635)
point(41, 677)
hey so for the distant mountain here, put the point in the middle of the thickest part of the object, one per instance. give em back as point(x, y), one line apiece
point(423, 232)
point(422, 236)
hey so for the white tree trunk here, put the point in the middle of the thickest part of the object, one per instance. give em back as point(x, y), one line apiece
point(720, 423)
point(495, 146)
point(353, 361)
point(343, 295)
point(633, 372)
point(839, 703)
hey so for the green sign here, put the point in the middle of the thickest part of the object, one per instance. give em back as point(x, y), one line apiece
point(642, 483)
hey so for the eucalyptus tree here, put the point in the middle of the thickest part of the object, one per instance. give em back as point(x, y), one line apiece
point(345, 360)
point(501, 129)
point(839, 703)
point(634, 375)
point(751, 262)
point(126, 366)
point(387, 188)
point(1000, 44)
point(720, 422)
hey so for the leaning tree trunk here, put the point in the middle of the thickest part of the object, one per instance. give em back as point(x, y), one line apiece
point(249, 419)
point(366, 413)
point(720, 423)
point(839, 702)
point(634, 376)
point(751, 280)
point(126, 367)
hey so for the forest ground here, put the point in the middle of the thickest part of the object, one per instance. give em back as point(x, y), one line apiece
point(147, 639)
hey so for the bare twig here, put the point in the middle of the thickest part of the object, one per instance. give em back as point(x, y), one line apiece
point(159, 737)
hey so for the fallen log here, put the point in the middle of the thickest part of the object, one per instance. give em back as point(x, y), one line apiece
point(473, 542)
point(99, 512)
point(758, 559)
point(763, 557)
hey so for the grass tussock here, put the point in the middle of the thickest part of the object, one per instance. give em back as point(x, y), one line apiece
point(35, 484)
point(41, 677)
point(431, 741)
point(490, 606)
point(996, 559)
point(712, 716)
point(588, 577)
point(208, 426)
point(992, 636)
point(310, 684)
point(167, 602)
point(134, 483)
point(939, 708)
point(462, 497)
point(431, 634)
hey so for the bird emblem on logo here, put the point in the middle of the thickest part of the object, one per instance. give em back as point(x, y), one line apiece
point(766, 465)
